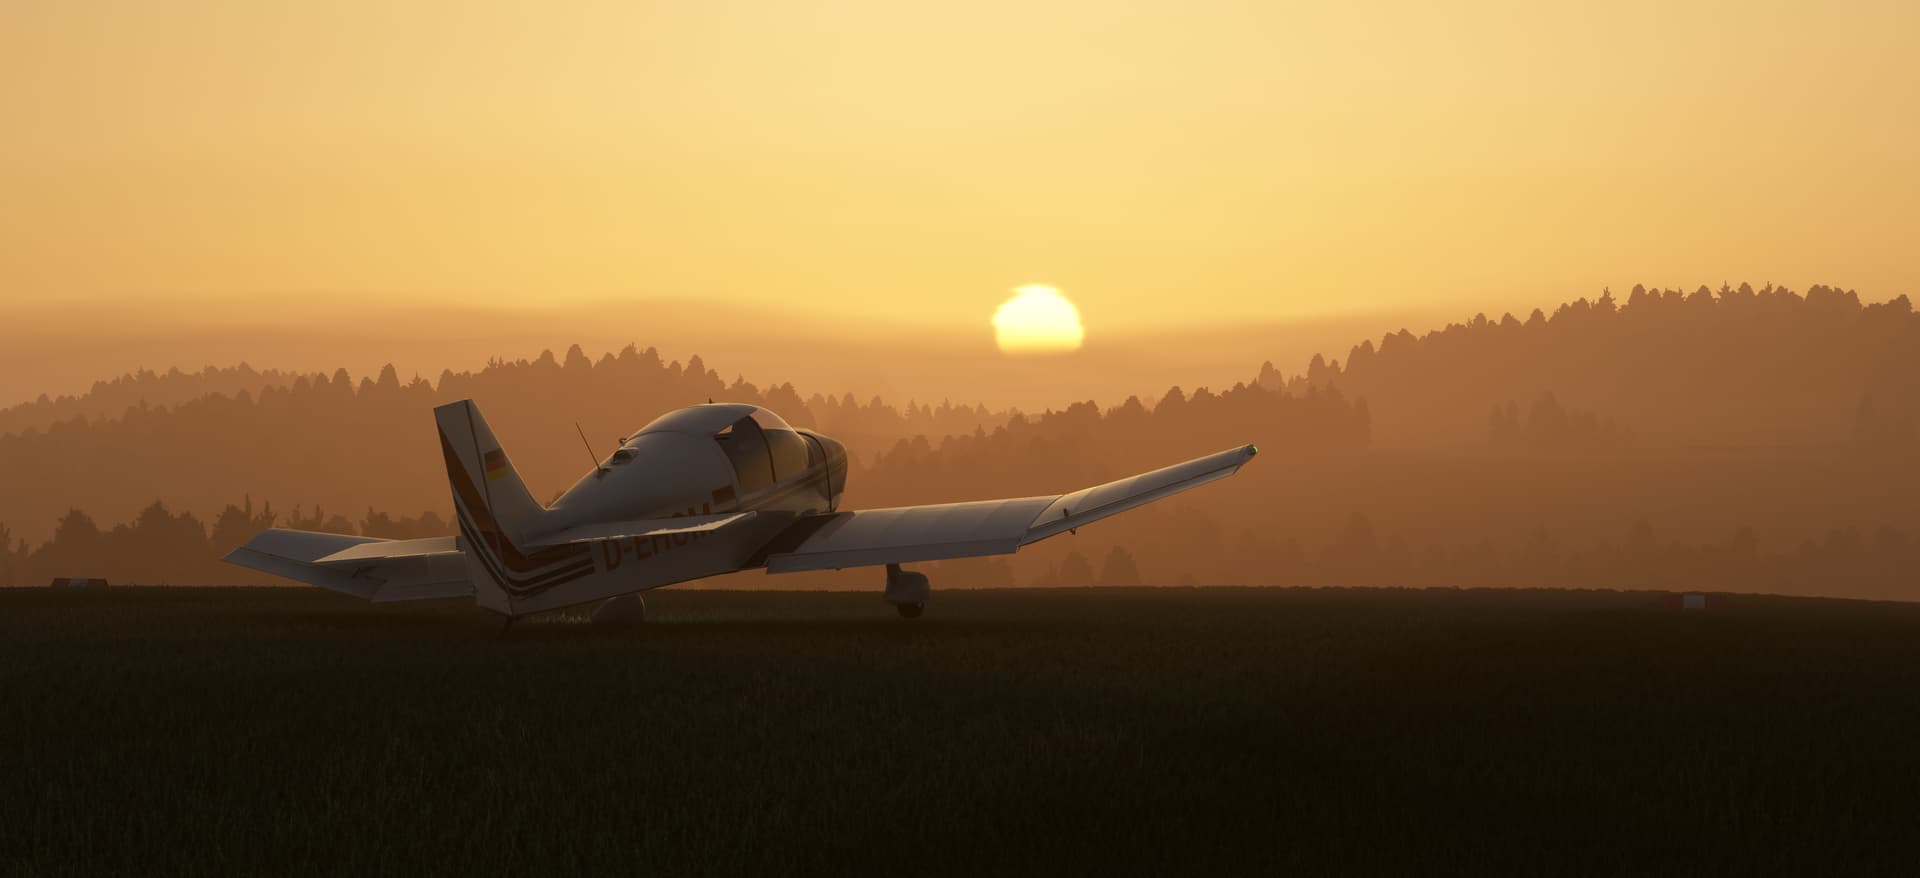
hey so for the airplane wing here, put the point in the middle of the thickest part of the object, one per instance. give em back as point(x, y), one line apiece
point(987, 527)
point(381, 571)
point(642, 528)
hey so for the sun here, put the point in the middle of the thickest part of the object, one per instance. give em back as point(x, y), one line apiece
point(1037, 320)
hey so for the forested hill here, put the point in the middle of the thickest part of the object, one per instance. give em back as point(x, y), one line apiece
point(110, 398)
point(147, 390)
point(1740, 367)
point(349, 446)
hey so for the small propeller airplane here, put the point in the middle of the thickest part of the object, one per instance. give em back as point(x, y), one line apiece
point(700, 491)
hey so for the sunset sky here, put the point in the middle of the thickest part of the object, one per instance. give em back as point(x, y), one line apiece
point(881, 162)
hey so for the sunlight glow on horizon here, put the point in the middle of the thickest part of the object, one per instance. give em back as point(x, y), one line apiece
point(1038, 320)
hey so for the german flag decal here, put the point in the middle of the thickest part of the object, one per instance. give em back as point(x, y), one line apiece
point(496, 464)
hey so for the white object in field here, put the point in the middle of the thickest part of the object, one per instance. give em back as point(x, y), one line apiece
point(1693, 602)
point(700, 491)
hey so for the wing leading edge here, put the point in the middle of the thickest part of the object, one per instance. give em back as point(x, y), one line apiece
point(988, 527)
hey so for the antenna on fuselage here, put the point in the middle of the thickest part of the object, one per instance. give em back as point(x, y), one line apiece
point(597, 468)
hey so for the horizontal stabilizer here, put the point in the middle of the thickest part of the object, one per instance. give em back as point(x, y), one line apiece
point(987, 527)
point(640, 528)
point(374, 569)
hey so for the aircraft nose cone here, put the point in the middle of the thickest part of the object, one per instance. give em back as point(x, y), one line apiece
point(834, 450)
point(836, 464)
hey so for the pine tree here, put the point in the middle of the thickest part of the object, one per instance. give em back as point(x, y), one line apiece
point(1119, 569)
point(1075, 570)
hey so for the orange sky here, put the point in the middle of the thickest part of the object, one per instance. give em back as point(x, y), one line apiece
point(1162, 162)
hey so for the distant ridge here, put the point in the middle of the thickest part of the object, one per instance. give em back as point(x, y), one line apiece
point(110, 398)
point(1739, 367)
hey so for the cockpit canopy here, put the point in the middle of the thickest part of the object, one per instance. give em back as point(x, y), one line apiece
point(760, 446)
point(708, 419)
point(764, 450)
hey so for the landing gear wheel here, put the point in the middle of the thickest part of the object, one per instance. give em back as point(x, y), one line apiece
point(628, 610)
point(907, 591)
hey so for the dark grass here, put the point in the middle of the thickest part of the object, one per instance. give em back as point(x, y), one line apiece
point(262, 731)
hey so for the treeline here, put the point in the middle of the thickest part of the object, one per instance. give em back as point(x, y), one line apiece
point(162, 547)
point(112, 398)
point(1082, 445)
point(107, 399)
point(1733, 366)
point(876, 424)
point(1547, 426)
point(347, 443)
point(1538, 468)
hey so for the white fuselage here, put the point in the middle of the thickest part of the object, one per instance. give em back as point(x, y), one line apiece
point(703, 461)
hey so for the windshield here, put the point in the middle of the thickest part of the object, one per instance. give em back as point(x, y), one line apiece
point(746, 447)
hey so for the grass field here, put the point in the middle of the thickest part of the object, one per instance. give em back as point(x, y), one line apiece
point(267, 731)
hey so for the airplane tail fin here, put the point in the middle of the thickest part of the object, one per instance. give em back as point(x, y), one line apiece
point(496, 513)
point(502, 527)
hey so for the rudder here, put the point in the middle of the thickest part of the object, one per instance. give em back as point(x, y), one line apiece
point(496, 513)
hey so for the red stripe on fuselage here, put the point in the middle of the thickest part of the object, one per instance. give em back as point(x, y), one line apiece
point(475, 503)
